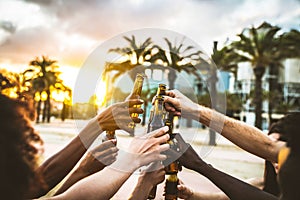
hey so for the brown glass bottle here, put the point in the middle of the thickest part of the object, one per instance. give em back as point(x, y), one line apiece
point(171, 187)
point(136, 92)
point(172, 168)
point(156, 122)
point(109, 135)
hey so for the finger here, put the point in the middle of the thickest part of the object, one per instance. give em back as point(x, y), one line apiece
point(170, 93)
point(130, 103)
point(172, 101)
point(136, 120)
point(103, 145)
point(169, 107)
point(108, 159)
point(163, 139)
point(163, 147)
point(158, 132)
point(136, 110)
point(106, 152)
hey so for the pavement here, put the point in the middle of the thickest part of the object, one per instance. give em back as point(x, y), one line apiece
point(225, 156)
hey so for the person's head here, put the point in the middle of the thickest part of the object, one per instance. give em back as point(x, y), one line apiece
point(289, 174)
point(18, 152)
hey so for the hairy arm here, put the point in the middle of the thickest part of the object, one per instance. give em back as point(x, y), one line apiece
point(243, 135)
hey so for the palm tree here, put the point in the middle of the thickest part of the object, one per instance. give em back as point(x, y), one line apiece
point(135, 56)
point(287, 45)
point(46, 76)
point(255, 46)
point(223, 59)
point(178, 59)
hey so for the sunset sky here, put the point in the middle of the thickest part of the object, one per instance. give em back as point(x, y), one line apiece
point(69, 30)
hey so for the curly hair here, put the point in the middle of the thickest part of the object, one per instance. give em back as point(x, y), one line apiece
point(18, 151)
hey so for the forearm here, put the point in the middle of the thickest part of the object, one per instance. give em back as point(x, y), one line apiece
point(59, 165)
point(243, 135)
point(74, 177)
point(232, 187)
point(208, 196)
point(103, 184)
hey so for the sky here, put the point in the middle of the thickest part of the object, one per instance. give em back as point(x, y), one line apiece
point(69, 30)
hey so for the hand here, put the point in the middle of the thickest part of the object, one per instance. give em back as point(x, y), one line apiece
point(183, 191)
point(153, 175)
point(117, 116)
point(150, 177)
point(189, 159)
point(98, 158)
point(143, 150)
point(180, 105)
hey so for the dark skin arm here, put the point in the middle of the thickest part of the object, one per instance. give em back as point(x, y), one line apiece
point(53, 170)
point(234, 188)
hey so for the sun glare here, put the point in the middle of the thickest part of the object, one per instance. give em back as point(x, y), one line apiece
point(101, 93)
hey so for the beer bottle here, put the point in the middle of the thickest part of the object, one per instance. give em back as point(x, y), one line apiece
point(109, 135)
point(172, 168)
point(171, 187)
point(161, 90)
point(136, 91)
point(156, 123)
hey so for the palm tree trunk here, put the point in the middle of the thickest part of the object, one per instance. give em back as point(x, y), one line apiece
point(172, 78)
point(273, 90)
point(145, 113)
point(44, 111)
point(213, 93)
point(38, 110)
point(258, 72)
point(48, 111)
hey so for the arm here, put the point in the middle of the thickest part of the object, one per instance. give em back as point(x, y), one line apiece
point(186, 193)
point(104, 184)
point(232, 187)
point(243, 135)
point(152, 176)
point(101, 156)
point(53, 170)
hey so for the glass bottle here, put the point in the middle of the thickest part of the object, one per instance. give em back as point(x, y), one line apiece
point(171, 187)
point(156, 123)
point(161, 91)
point(136, 92)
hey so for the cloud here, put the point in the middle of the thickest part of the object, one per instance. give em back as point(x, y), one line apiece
point(8, 26)
point(69, 30)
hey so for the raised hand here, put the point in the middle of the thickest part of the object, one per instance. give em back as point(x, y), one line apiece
point(183, 191)
point(143, 150)
point(117, 116)
point(180, 105)
point(99, 157)
point(151, 176)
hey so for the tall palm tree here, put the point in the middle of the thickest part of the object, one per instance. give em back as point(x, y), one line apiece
point(255, 46)
point(135, 56)
point(223, 59)
point(288, 46)
point(46, 76)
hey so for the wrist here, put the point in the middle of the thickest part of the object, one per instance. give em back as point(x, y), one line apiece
point(126, 162)
point(202, 167)
point(90, 132)
point(196, 112)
